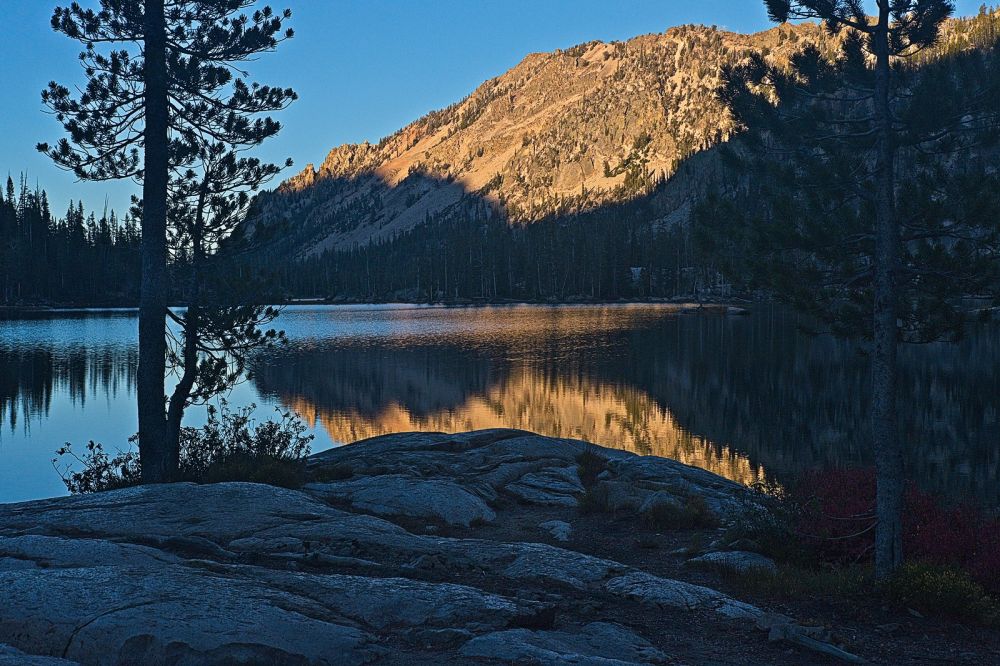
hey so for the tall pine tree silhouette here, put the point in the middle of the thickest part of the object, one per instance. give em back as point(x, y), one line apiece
point(161, 86)
point(835, 230)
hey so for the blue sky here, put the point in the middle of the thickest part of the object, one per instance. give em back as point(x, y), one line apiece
point(362, 68)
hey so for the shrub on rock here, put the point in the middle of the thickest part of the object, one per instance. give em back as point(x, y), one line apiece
point(231, 446)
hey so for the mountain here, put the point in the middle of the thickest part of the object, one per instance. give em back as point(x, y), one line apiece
point(559, 133)
point(613, 142)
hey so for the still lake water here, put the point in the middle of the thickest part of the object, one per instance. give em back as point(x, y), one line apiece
point(741, 396)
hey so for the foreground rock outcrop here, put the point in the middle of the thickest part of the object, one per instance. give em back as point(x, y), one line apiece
point(362, 565)
point(457, 476)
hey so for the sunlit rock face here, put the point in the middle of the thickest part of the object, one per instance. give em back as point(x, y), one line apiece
point(563, 131)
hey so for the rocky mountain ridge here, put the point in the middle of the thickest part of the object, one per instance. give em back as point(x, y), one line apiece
point(559, 133)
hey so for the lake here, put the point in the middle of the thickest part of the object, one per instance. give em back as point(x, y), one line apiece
point(742, 396)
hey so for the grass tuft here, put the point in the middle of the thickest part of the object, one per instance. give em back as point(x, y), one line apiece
point(589, 465)
point(594, 500)
point(690, 515)
point(791, 582)
point(943, 591)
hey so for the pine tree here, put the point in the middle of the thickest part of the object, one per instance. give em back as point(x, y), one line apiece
point(831, 229)
point(223, 321)
point(160, 81)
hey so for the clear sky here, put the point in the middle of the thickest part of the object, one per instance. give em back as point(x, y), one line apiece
point(362, 68)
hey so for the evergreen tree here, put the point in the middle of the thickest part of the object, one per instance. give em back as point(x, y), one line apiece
point(223, 320)
point(49, 260)
point(160, 81)
point(826, 222)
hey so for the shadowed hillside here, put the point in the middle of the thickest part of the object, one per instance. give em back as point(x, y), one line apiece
point(571, 177)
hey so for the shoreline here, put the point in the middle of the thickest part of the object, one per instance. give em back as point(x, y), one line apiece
point(732, 306)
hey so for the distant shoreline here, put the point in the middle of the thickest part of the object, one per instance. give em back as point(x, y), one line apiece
point(735, 307)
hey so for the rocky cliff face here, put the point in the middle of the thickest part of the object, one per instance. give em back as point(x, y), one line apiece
point(560, 133)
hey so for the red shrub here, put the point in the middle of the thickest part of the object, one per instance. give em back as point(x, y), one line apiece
point(985, 564)
point(936, 533)
point(837, 513)
point(836, 520)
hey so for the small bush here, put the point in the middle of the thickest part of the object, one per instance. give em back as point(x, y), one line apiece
point(837, 524)
point(836, 514)
point(699, 513)
point(943, 591)
point(594, 500)
point(100, 470)
point(692, 514)
point(340, 472)
point(984, 565)
point(824, 525)
point(286, 473)
point(766, 523)
point(231, 446)
point(589, 465)
point(791, 581)
point(697, 545)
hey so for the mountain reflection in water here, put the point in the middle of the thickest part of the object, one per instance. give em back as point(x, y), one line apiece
point(619, 417)
point(735, 395)
point(739, 396)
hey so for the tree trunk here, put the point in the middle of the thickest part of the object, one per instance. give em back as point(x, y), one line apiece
point(885, 432)
point(179, 398)
point(191, 325)
point(159, 460)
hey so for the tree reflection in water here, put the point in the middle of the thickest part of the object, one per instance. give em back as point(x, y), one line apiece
point(736, 395)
